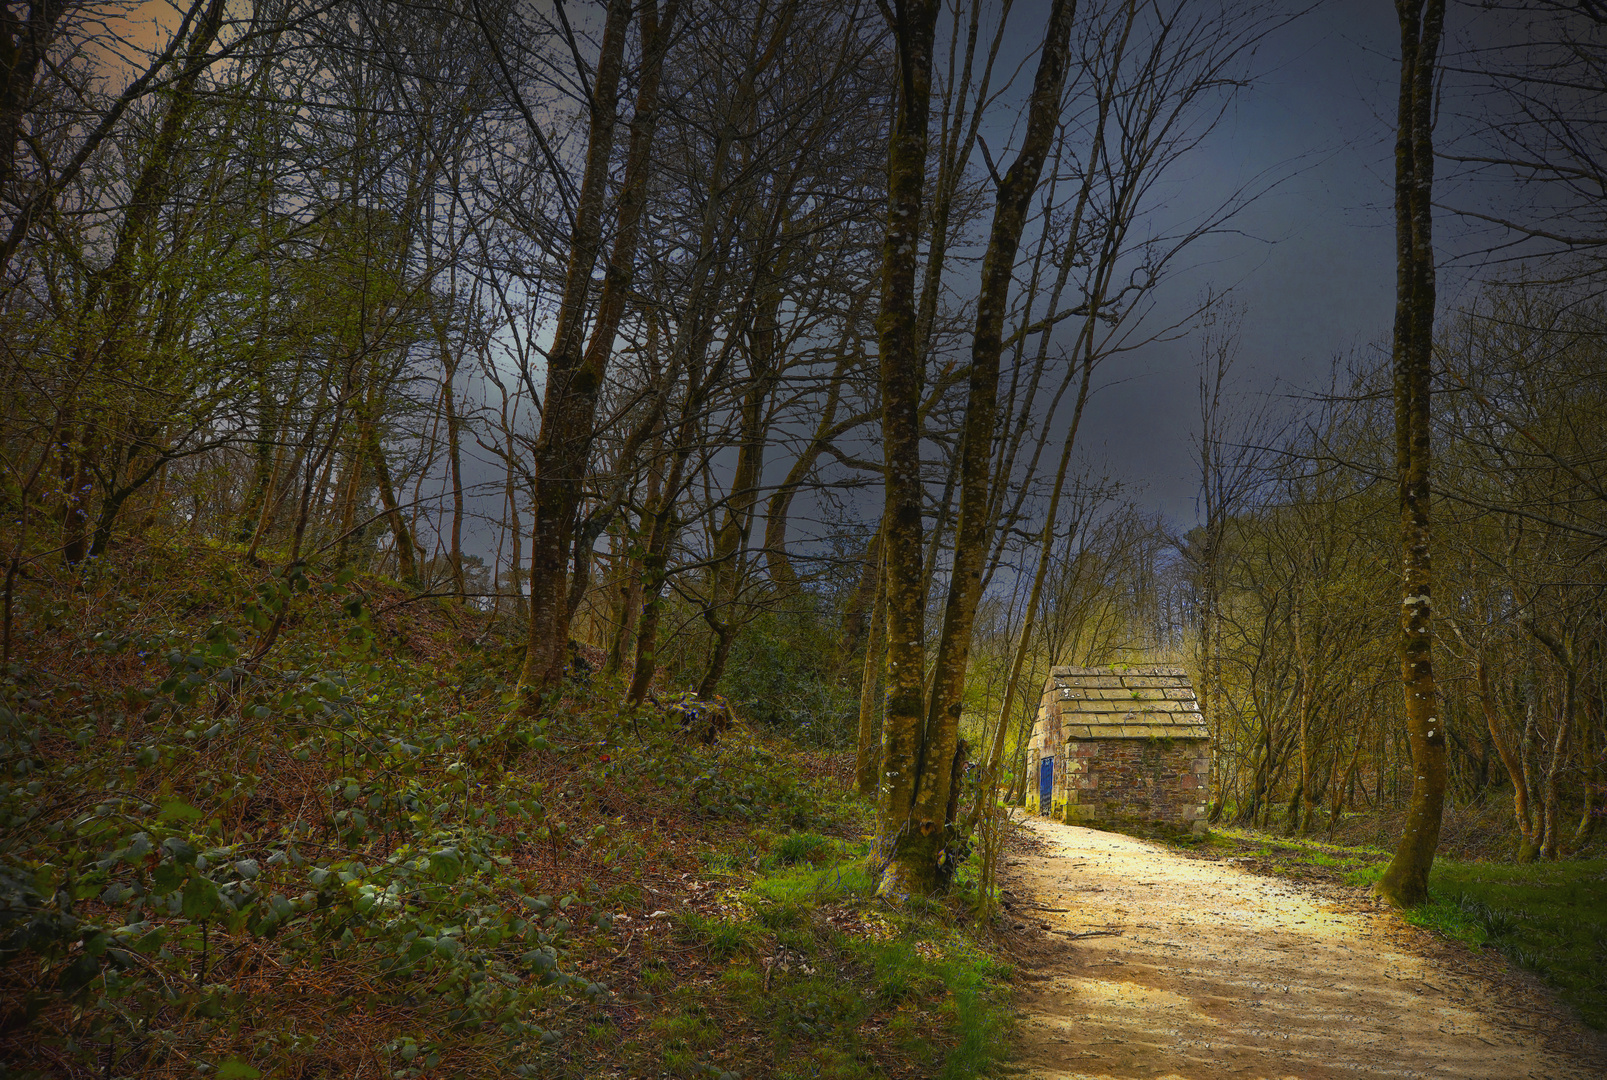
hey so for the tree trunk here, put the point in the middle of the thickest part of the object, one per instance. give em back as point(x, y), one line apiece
point(1551, 810)
point(901, 376)
point(1592, 771)
point(868, 761)
point(350, 485)
point(574, 376)
point(623, 646)
point(857, 609)
point(648, 429)
point(1521, 812)
point(454, 459)
point(1342, 792)
point(1550, 825)
point(655, 566)
point(401, 536)
point(1299, 804)
point(1405, 880)
point(917, 828)
point(72, 455)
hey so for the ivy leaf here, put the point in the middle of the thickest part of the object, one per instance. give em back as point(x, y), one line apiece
point(446, 865)
point(166, 878)
point(79, 974)
point(178, 810)
point(180, 849)
point(200, 898)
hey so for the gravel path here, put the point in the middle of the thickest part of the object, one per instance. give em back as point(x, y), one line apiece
point(1152, 964)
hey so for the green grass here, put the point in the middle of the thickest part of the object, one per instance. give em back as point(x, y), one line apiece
point(1548, 917)
point(963, 979)
point(832, 1004)
point(809, 885)
point(723, 938)
point(1355, 865)
point(801, 847)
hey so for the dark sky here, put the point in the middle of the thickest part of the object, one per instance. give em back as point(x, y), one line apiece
point(1312, 263)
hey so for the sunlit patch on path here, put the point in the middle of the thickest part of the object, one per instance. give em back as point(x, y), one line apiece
point(1155, 965)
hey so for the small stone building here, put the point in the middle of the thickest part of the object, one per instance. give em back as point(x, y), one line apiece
point(1120, 744)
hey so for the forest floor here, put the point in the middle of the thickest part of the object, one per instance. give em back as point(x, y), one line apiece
point(367, 858)
point(1150, 962)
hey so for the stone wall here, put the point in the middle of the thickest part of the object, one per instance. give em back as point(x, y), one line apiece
point(1164, 780)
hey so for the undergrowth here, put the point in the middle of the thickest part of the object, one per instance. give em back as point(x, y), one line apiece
point(331, 854)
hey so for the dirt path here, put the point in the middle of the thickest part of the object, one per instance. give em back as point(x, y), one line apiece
point(1202, 970)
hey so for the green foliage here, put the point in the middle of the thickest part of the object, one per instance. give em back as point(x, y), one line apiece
point(780, 677)
point(919, 976)
point(723, 938)
point(807, 885)
point(1297, 857)
point(744, 782)
point(901, 975)
point(150, 836)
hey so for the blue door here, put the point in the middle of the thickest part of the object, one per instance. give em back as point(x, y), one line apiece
point(1046, 783)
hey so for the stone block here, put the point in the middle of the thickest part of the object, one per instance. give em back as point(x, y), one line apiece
point(1154, 681)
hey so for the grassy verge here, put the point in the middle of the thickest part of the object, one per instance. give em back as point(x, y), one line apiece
point(1301, 857)
point(337, 857)
point(805, 974)
point(1550, 918)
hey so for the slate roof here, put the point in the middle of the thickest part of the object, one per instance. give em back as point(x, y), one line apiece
point(1124, 703)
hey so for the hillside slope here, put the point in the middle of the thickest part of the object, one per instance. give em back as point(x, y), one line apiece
point(258, 824)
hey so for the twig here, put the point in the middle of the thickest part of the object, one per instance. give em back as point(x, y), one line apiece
point(628, 938)
point(1089, 933)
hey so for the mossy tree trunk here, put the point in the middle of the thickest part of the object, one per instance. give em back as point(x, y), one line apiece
point(868, 761)
point(1405, 880)
point(921, 757)
point(1511, 760)
point(904, 711)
